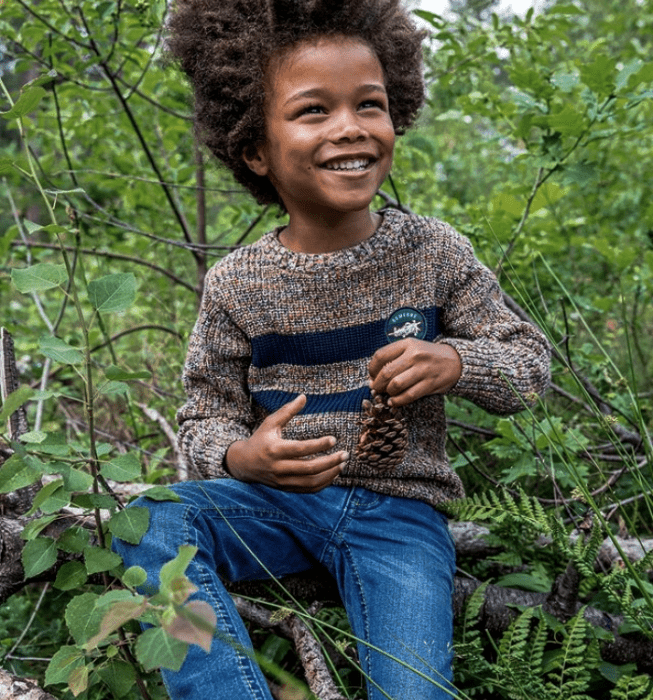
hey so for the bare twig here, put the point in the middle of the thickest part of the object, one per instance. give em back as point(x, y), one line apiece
point(152, 414)
point(307, 645)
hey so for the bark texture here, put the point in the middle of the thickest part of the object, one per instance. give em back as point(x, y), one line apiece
point(12, 688)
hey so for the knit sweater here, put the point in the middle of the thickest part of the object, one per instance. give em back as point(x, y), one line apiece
point(274, 323)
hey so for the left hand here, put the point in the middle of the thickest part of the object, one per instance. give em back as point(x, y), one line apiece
point(409, 369)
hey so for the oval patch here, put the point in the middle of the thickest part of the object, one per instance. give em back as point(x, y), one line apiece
point(406, 323)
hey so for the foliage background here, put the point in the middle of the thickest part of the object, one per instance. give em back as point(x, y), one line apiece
point(536, 143)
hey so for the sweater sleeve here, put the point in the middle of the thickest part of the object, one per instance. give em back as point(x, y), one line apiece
point(505, 361)
point(217, 411)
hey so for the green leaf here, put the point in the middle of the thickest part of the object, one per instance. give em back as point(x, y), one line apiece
point(14, 401)
point(568, 121)
point(38, 556)
point(74, 540)
point(82, 617)
point(58, 350)
point(39, 277)
point(34, 437)
point(155, 649)
point(123, 468)
point(130, 524)
point(120, 375)
point(162, 493)
point(88, 501)
point(599, 76)
point(33, 527)
point(114, 388)
point(51, 498)
point(62, 664)
point(176, 568)
point(6, 163)
point(115, 615)
point(134, 576)
point(70, 576)
point(78, 680)
point(27, 102)
point(113, 292)
point(98, 559)
point(75, 479)
point(119, 676)
point(18, 472)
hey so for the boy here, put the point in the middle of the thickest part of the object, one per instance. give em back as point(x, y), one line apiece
point(296, 333)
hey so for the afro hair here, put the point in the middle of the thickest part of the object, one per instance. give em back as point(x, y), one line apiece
point(225, 46)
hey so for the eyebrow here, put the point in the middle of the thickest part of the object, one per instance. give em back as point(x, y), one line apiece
point(319, 92)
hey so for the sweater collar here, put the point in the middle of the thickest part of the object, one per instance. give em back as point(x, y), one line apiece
point(356, 255)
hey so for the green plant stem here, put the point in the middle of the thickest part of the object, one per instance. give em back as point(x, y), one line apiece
point(88, 369)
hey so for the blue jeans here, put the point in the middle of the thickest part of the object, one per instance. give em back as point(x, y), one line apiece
point(392, 558)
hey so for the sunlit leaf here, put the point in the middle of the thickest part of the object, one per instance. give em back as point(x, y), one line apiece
point(58, 350)
point(62, 664)
point(123, 468)
point(130, 524)
point(39, 277)
point(155, 649)
point(38, 556)
point(113, 292)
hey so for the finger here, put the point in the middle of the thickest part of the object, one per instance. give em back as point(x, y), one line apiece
point(390, 372)
point(384, 355)
point(312, 483)
point(282, 416)
point(411, 393)
point(292, 468)
point(293, 449)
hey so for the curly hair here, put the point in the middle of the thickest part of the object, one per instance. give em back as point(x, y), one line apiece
point(225, 46)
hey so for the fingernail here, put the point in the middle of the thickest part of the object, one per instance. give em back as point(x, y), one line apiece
point(344, 456)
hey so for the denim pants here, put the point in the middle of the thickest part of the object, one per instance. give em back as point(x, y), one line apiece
point(393, 560)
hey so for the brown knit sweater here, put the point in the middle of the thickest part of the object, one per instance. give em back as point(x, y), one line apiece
point(274, 323)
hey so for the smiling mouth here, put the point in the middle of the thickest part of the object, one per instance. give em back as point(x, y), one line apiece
point(356, 165)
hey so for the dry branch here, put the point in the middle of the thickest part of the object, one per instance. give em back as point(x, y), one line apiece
point(307, 645)
point(13, 688)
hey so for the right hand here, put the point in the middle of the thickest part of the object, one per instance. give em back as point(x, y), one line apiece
point(290, 465)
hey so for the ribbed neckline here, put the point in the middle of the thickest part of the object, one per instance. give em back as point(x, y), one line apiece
point(356, 255)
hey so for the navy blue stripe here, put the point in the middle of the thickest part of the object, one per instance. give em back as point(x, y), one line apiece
point(345, 401)
point(328, 347)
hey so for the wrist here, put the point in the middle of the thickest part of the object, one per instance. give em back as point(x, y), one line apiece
point(232, 459)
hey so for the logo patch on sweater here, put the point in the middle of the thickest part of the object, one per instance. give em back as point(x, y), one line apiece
point(406, 323)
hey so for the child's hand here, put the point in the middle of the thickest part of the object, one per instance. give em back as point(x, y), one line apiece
point(409, 369)
point(291, 465)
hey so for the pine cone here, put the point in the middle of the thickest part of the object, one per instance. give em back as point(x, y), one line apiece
point(384, 436)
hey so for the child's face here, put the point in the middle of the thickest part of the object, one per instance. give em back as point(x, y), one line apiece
point(329, 136)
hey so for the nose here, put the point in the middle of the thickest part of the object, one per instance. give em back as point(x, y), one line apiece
point(348, 127)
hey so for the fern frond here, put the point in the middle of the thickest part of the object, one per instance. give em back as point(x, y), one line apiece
point(633, 688)
point(572, 675)
point(472, 614)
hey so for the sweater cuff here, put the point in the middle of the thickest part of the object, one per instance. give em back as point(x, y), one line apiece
point(487, 378)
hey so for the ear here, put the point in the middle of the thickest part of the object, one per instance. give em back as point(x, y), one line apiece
point(256, 160)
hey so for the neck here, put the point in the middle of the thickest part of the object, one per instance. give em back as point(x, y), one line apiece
point(326, 234)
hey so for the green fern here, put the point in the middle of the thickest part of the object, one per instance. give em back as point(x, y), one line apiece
point(571, 675)
point(519, 662)
point(489, 506)
point(633, 688)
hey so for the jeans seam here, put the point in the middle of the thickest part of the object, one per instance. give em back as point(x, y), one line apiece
point(365, 664)
point(226, 626)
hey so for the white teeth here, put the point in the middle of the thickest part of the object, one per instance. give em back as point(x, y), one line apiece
point(349, 165)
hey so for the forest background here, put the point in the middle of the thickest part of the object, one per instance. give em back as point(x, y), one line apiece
point(536, 143)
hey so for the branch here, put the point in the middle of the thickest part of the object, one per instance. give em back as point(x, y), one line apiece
point(14, 688)
point(307, 645)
